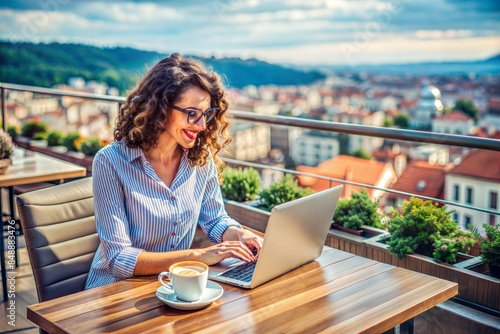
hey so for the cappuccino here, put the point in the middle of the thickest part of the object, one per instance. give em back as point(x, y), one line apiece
point(188, 279)
point(188, 271)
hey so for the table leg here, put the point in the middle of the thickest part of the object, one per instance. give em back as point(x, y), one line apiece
point(407, 326)
point(2, 257)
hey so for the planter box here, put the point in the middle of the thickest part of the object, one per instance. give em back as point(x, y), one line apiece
point(351, 243)
point(73, 157)
point(473, 286)
point(247, 215)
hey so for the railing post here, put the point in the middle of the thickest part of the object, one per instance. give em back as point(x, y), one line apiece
point(4, 109)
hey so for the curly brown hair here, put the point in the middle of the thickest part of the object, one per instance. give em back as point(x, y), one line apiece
point(142, 117)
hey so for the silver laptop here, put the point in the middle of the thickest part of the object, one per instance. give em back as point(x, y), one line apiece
point(295, 235)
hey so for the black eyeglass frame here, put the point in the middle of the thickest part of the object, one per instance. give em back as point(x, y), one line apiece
point(192, 113)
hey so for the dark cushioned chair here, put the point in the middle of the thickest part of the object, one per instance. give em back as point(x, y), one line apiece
point(60, 234)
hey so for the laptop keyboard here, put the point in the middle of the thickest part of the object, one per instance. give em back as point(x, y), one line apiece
point(242, 272)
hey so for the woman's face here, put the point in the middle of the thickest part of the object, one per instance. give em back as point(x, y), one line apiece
point(178, 128)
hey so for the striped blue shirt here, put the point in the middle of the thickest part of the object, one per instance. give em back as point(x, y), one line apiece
point(135, 211)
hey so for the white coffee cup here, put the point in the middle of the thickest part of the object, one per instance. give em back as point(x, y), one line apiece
point(188, 279)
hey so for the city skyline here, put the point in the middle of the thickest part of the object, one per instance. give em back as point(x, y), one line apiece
point(334, 32)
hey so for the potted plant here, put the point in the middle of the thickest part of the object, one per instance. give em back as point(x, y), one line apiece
point(13, 131)
point(285, 190)
point(240, 184)
point(490, 247)
point(353, 213)
point(54, 138)
point(71, 141)
point(90, 146)
point(425, 228)
point(36, 132)
point(6, 151)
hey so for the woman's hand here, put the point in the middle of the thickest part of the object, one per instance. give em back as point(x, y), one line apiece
point(216, 253)
point(238, 243)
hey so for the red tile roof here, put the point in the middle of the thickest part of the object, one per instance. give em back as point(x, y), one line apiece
point(348, 168)
point(421, 178)
point(455, 115)
point(481, 164)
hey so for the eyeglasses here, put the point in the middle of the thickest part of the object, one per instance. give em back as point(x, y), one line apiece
point(194, 116)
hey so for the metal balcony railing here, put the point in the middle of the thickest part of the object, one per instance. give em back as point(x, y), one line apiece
point(353, 129)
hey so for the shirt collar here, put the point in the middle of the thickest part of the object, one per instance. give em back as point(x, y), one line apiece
point(137, 152)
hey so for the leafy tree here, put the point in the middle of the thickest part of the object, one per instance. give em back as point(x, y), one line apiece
point(468, 107)
point(48, 64)
point(361, 153)
point(403, 121)
point(388, 122)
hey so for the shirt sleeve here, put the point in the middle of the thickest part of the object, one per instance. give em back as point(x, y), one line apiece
point(213, 218)
point(111, 219)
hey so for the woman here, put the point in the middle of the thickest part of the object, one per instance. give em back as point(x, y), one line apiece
point(160, 177)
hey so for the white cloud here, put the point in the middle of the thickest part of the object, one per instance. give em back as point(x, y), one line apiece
point(290, 30)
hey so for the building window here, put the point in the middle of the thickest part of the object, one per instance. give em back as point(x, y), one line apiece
point(467, 220)
point(468, 195)
point(456, 193)
point(455, 217)
point(492, 220)
point(493, 200)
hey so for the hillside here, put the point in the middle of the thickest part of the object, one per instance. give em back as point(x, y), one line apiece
point(46, 65)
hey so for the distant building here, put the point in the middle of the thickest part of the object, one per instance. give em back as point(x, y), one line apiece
point(428, 107)
point(419, 178)
point(433, 154)
point(455, 122)
point(313, 147)
point(392, 155)
point(476, 182)
point(344, 167)
point(379, 101)
point(360, 117)
point(492, 116)
point(251, 141)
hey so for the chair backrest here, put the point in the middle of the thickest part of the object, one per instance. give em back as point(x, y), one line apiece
point(60, 234)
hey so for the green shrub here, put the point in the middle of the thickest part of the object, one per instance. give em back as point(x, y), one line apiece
point(282, 191)
point(240, 184)
point(71, 140)
point(446, 249)
point(54, 138)
point(422, 227)
point(34, 130)
point(356, 211)
point(91, 146)
point(12, 131)
point(490, 244)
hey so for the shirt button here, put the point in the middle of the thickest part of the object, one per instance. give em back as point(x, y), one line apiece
point(172, 199)
point(175, 224)
point(172, 246)
point(173, 234)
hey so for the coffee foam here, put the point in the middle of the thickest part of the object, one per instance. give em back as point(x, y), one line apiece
point(188, 270)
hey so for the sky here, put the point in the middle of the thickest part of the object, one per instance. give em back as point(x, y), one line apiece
point(302, 32)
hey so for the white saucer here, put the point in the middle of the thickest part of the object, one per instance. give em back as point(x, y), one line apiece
point(212, 293)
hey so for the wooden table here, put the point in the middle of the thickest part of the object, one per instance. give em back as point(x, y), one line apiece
point(337, 293)
point(30, 167)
